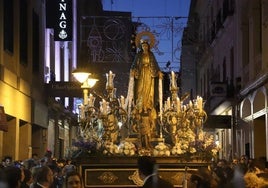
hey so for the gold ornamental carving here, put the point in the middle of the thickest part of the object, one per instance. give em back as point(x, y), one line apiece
point(136, 178)
point(107, 177)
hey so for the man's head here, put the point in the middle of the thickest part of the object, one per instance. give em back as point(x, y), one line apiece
point(8, 161)
point(146, 166)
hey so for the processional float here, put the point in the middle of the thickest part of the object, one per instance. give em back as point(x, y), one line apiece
point(114, 127)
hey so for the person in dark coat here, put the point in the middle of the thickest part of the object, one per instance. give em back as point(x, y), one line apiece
point(28, 179)
point(43, 177)
point(13, 176)
point(148, 172)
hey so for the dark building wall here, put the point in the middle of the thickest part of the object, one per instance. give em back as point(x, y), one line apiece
point(104, 43)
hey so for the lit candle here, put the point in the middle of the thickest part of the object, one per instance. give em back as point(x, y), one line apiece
point(178, 104)
point(184, 108)
point(110, 80)
point(190, 104)
point(160, 95)
point(91, 100)
point(104, 106)
point(168, 102)
point(122, 101)
point(173, 79)
point(165, 106)
point(199, 102)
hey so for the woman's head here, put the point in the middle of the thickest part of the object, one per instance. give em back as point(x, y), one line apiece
point(73, 180)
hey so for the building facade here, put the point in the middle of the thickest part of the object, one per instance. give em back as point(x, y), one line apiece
point(21, 79)
point(227, 39)
point(29, 57)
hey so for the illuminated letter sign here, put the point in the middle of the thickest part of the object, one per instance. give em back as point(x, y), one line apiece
point(63, 25)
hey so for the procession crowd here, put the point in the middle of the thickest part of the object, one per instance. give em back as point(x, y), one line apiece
point(44, 172)
point(241, 172)
point(48, 172)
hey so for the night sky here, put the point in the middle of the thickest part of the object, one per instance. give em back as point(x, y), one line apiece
point(153, 13)
point(149, 7)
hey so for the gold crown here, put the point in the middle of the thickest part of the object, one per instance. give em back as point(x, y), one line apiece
point(140, 38)
point(142, 41)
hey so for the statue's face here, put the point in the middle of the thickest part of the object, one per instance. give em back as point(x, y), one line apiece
point(145, 46)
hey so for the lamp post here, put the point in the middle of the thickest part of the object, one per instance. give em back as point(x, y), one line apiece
point(88, 84)
point(83, 77)
point(85, 119)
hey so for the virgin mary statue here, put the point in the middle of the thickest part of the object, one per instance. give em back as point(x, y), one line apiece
point(145, 73)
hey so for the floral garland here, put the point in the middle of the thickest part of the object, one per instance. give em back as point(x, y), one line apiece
point(189, 145)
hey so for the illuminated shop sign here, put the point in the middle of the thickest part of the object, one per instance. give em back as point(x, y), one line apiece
point(59, 16)
point(63, 26)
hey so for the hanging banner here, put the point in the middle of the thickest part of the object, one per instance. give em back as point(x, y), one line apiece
point(3, 119)
point(59, 15)
point(64, 21)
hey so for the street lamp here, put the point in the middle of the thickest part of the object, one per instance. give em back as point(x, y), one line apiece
point(83, 77)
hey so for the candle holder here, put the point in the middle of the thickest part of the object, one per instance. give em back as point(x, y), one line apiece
point(178, 116)
point(110, 80)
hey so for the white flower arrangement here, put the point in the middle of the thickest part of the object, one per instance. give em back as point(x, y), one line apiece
point(161, 150)
point(110, 149)
point(127, 148)
point(189, 146)
point(179, 149)
point(205, 145)
point(185, 137)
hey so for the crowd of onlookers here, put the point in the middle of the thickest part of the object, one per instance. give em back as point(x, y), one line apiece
point(45, 172)
point(239, 173)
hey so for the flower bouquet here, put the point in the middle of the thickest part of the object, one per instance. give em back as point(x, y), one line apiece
point(127, 148)
point(161, 150)
point(205, 146)
point(109, 148)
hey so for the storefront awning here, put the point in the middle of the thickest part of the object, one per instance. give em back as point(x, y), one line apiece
point(218, 122)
